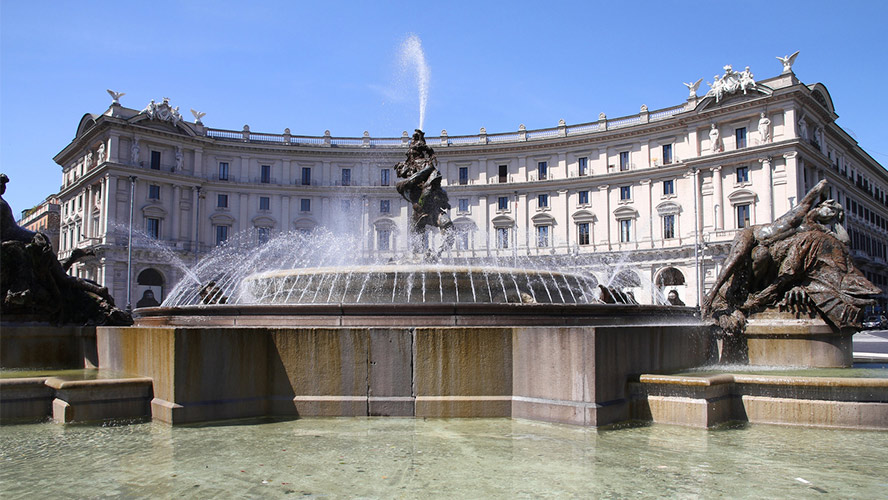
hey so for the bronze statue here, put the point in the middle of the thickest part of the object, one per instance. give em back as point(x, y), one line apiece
point(422, 188)
point(35, 286)
point(800, 263)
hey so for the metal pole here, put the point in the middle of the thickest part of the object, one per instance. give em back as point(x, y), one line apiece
point(697, 242)
point(197, 227)
point(129, 258)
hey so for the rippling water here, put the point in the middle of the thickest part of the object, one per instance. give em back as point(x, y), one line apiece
point(438, 458)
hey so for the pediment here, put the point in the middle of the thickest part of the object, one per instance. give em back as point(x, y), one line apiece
point(741, 196)
point(543, 220)
point(668, 208)
point(503, 221)
point(154, 210)
point(220, 218)
point(263, 221)
point(625, 213)
point(583, 216)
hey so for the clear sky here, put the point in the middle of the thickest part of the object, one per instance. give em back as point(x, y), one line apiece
point(312, 66)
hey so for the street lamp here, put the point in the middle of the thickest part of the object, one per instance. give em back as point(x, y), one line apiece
point(129, 258)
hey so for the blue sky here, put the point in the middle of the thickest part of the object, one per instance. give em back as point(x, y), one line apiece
point(312, 66)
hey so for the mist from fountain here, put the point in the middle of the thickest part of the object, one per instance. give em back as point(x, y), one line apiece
point(323, 267)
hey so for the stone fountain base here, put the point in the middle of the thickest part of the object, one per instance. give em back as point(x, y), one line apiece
point(541, 361)
point(774, 338)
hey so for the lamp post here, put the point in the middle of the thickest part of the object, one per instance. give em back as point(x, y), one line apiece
point(197, 226)
point(129, 258)
point(695, 172)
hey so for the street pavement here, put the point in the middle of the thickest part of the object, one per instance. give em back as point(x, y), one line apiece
point(871, 342)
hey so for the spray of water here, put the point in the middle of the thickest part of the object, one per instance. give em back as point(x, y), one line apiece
point(413, 59)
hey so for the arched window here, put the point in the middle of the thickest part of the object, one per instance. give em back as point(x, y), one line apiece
point(149, 289)
point(670, 276)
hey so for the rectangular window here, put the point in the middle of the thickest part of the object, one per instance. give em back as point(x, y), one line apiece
point(463, 175)
point(264, 203)
point(502, 203)
point(740, 135)
point(222, 201)
point(667, 154)
point(625, 193)
point(502, 237)
point(742, 174)
point(223, 171)
point(668, 227)
point(385, 177)
point(503, 173)
point(543, 201)
point(583, 197)
point(383, 239)
point(306, 176)
point(583, 233)
point(152, 227)
point(305, 205)
point(384, 206)
point(155, 160)
point(625, 230)
point(668, 187)
point(153, 192)
point(265, 174)
point(582, 166)
point(221, 234)
point(543, 170)
point(346, 176)
point(263, 234)
point(463, 205)
point(542, 236)
point(742, 216)
point(624, 160)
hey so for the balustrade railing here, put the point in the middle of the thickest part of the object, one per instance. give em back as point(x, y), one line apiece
point(399, 142)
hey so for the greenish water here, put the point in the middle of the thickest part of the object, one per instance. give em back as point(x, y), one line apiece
point(438, 458)
point(859, 370)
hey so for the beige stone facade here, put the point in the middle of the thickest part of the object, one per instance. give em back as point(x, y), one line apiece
point(638, 191)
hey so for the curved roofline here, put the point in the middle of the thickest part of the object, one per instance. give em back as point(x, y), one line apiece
point(87, 122)
point(827, 99)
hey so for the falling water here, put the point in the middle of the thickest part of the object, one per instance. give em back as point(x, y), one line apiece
point(413, 58)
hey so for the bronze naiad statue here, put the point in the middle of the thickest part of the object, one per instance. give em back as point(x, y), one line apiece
point(798, 263)
point(35, 286)
point(422, 187)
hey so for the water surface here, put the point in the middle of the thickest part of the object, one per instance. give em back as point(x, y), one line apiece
point(438, 458)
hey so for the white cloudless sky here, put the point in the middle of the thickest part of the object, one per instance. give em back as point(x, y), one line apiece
point(313, 66)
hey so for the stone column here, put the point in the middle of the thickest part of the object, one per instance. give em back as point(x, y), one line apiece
point(482, 170)
point(562, 167)
point(113, 147)
point(767, 194)
point(693, 145)
point(198, 166)
point(645, 209)
point(102, 230)
point(790, 130)
point(326, 174)
point(286, 173)
point(244, 171)
point(89, 201)
point(285, 214)
point(601, 163)
point(564, 232)
point(522, 216)
point(719, 203)
point(484, 209)
point(792, 178)
point(243, 217)
point(175, 212)
point(603, 193)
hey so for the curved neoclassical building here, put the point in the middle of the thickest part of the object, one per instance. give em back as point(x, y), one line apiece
point(661, 192)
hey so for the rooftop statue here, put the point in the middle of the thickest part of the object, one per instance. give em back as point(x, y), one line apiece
point(799, 263)
point(35, 286)
point(788, 61)
point(422, 188)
